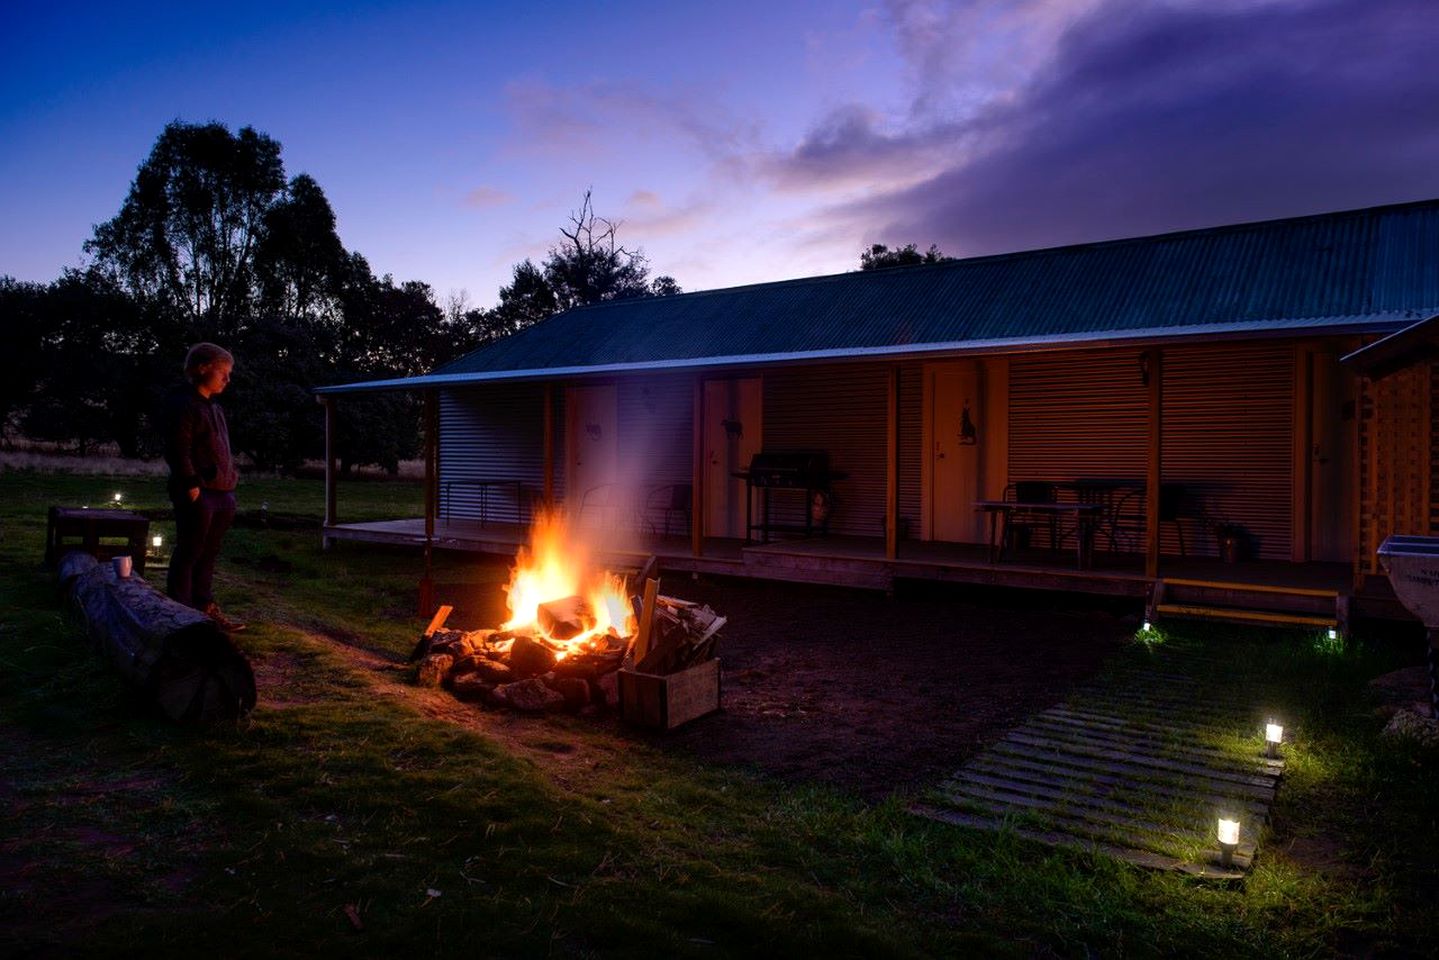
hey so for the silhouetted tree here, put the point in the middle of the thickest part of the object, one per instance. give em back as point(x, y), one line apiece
point(299, 261)
point(881, 257)
point(186, 235)
point(25, 319)
point(587, 266)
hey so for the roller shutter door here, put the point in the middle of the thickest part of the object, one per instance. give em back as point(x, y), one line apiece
point(1228, 438)
point(840, 410)
point(1077, 415)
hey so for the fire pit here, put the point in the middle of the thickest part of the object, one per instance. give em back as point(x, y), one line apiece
point(571, 629)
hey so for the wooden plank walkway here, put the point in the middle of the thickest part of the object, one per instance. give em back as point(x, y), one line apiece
point(1138, 766)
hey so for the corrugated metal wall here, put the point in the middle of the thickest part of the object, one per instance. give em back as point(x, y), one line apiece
point(656, 424)
point(491, 433)
point(1227, 431)
point(1228, 439)
point(840, 410)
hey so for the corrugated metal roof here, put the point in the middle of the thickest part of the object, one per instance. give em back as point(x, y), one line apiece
point(1373, 265)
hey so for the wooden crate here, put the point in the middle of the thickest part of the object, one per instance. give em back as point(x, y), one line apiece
point(664, 702)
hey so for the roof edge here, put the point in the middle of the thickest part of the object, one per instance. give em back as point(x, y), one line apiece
point(1238, 330)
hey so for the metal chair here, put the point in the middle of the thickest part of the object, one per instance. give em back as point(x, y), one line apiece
point(1130, 517)
point(608, 506)
point(668, 500)
point(1019, 526)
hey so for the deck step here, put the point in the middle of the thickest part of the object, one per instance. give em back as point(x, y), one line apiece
point(1239, 615)
point(1239, 587)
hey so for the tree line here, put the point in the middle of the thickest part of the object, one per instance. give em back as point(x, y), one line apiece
point(215, 242)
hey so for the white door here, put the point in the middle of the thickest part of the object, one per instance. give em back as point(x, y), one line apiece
point(591, 452)
point(731, 437)
point(954, 416)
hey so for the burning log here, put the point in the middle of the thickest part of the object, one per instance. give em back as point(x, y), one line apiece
point(177, 655)
point(567, 618)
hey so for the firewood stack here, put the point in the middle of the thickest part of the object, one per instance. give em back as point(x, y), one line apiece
point(682, 634)
point(534, 673)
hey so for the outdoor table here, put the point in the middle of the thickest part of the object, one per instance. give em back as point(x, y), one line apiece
point(1110, 493)
point(1084, 514)
point(484, 485)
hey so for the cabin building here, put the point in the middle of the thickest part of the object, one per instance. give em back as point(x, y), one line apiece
point(1165, 417)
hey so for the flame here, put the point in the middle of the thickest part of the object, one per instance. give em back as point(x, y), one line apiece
point(553, 567)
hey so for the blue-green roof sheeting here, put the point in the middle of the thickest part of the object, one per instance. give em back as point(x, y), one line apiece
point(1364, 265)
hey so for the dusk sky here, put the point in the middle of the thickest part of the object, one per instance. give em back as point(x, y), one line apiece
point(738, 141)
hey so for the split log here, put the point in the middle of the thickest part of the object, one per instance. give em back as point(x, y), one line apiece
point(177, 655)
point(681, 635)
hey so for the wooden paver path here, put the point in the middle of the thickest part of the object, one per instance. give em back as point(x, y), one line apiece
point(1138, 766)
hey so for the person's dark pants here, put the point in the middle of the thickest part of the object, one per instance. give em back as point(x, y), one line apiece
point(200, 525)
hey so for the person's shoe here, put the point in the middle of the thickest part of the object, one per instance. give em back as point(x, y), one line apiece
point(225, 623)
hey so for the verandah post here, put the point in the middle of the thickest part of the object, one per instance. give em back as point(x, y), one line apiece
point(427, 584)
point(1154, 364)
point(891, 480)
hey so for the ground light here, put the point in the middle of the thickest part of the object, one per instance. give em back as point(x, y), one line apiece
point(119, 497)
point(157, 541)
point(1273, 737)
point(1333, 634)
point(1228, 832)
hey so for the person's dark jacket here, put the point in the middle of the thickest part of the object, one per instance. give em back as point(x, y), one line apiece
point(197, 442)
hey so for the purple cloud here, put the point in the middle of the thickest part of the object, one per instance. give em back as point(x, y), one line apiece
point(1150, 117)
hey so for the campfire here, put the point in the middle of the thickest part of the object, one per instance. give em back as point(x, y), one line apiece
point(571, 629)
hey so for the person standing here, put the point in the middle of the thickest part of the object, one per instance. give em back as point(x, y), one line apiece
point(202, 478)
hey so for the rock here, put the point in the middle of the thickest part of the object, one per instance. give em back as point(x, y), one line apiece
point(472, 686)
point(493, 670)
point(1408, 725)
point(575, 691)
point(531, 696)
point(433, 669)
point(608, 685)
point(529, 657)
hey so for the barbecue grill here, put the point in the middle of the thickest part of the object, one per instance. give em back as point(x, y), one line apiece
point(807, 472)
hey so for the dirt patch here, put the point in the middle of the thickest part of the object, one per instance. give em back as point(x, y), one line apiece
point(876, 694)
point(849, 688)
point(278, 680)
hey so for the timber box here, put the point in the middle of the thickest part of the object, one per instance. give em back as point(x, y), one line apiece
point(663, 702)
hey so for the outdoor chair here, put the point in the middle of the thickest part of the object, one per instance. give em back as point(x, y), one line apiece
point(608, 506)
point(670, 500)
point(1127, 526)
point(1019, 526)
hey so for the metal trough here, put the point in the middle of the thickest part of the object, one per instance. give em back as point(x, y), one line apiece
point(1413, 567)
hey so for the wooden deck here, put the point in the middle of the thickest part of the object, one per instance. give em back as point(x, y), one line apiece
point(860, 561)
point(1138, 767)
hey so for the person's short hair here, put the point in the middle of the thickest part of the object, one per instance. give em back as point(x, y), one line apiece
point(201, 357)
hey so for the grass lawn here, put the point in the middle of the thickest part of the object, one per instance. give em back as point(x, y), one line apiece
point(340, 820)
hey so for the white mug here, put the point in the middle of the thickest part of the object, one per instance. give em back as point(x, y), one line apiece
point(123, 566)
